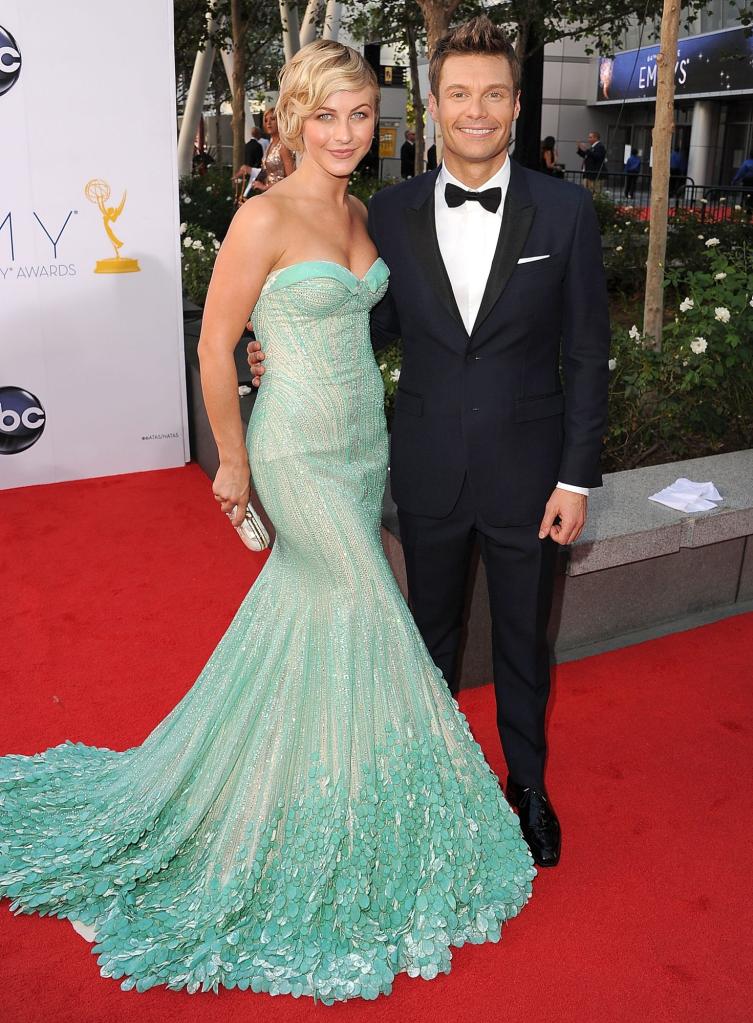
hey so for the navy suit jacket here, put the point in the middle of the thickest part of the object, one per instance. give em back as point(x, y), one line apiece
point(491, 403)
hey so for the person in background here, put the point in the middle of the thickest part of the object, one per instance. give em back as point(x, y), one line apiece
point(594, 156)
point(408, 155)
point(677, 171)
point(632, 170)
point(431, 157)
point(549, 162)
point(202, 161)
point(253, 154)
point(744, 177)
point(278, 162)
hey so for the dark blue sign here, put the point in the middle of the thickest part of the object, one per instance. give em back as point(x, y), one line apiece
point(22, 420)
point(10, 61)
point(710, 65)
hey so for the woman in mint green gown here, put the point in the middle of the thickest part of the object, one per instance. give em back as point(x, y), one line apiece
point(313, 816)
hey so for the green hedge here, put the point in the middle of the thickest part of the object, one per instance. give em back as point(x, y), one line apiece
point(692, 398)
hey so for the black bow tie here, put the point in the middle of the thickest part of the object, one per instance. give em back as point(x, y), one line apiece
point(490, 198)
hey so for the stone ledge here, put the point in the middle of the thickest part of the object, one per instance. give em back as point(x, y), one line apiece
point(639, 570)
point(624, 526)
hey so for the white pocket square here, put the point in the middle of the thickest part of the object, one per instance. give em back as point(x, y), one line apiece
point(531, 259)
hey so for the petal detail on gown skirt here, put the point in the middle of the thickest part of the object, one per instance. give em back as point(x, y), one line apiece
point(314, 816)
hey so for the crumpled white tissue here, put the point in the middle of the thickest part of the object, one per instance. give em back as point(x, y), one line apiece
point(686, 496)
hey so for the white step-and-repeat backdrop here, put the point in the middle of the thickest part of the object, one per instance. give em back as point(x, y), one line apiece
point(92, 375)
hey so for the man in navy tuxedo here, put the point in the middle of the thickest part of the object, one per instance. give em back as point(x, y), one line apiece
point(496, 277)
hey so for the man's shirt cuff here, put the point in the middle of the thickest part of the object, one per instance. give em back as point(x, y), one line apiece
point(574, 489)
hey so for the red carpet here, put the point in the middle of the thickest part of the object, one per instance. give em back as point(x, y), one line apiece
point(115, 593)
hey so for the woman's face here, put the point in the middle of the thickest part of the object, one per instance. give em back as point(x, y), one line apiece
point(339, 133)
point(270, 122)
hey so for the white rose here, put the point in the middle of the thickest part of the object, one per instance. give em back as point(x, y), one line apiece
point(187, 242)
point(618, 249)
point(700, 237)
point(720, 276)
point(751, 302)
point(243, 390)
point(183, 228)
point(612, 364)
point(395, 375)
point(722, 314)
point(711, 242)
point(198, 244)
point(699, 346)
point(209, 188)
point(704, 200)
point(738, 207)
point(187, 200)
point(382, 367)
point(216, 245)
point(686, 305)
point(634, 333)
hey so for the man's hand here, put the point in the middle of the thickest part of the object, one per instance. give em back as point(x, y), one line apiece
point(256, 359)
point(571, 509)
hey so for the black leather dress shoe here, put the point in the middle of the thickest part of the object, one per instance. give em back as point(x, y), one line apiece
point(538, 822)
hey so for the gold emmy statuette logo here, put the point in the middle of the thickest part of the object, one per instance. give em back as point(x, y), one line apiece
point(98, 192)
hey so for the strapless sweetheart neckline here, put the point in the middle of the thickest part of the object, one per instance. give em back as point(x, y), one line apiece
point(330, 263)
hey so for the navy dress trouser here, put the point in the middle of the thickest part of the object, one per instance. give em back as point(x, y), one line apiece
point(520, 577)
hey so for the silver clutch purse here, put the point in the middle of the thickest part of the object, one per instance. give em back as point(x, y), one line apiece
point(252, 530)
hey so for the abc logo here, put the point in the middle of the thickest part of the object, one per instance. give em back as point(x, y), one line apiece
point(10, 61)
point(22, 420)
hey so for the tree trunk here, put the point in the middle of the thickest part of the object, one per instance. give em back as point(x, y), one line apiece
point(310, 22)
point(530, 50)
point(653, 310)
point(437, 17)
point(418, 103)
point(291, 42)
point(217, 78)
point(238, 25)
point(332, 20)
point(202, 69)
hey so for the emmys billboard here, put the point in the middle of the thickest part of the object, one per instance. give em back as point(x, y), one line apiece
point(92, 378)
point(716, 64)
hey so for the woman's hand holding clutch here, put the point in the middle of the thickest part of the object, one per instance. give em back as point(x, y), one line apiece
point(232, 488)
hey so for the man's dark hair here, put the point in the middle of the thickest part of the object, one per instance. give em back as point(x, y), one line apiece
point(477, 36)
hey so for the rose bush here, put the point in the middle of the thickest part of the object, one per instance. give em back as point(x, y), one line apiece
point(198, 250)
point(695, 396)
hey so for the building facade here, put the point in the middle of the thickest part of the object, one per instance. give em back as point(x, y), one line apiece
point(615, 95)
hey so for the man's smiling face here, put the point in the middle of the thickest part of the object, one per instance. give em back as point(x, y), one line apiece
point(476, 106)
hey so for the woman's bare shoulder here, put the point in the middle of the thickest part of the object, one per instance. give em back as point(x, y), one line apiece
point(260, 213)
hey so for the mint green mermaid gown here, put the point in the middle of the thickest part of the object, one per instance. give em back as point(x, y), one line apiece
point(314, 816)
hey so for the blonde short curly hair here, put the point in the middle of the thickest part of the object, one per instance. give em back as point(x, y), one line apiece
point(313, 74)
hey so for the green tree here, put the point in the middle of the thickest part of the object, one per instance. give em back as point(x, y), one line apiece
point(251, 31)
point(531, 24)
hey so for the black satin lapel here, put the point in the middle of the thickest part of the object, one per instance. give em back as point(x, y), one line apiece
point(423, 234)
point(516, 223)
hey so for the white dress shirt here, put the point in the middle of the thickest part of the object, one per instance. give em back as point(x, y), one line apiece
point(468, 237)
